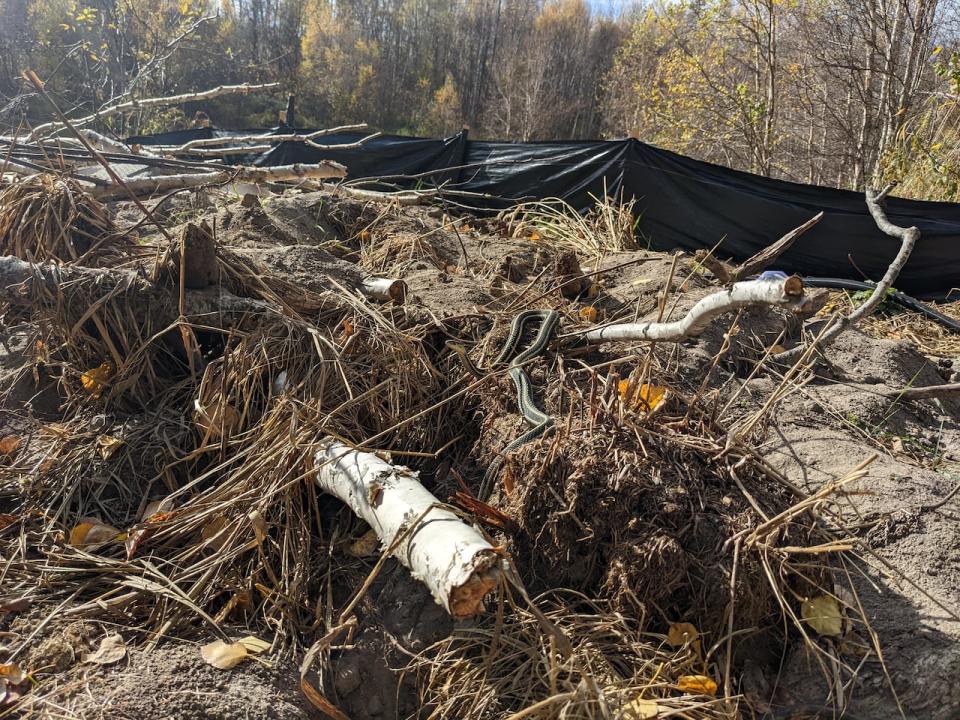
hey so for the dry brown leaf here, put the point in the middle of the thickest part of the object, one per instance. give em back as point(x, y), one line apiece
point(822, 613)
point(15, 605)
point(112, 649)
point(697, 685)
point(214, 534)
point(222, 418)
point(9, 445)
point(155, 511)
point(224, 655)
point(91, 534)
point(8, 519)
point(259, 525)
point(254, 644)
point(365, 546)
point(12, 673)
point(640, 709)
point(682, 633)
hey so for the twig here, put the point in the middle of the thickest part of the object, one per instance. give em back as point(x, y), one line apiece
point(908, 239)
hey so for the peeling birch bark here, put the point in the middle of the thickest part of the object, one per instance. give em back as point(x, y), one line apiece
point(781, 292)
point(450, 557)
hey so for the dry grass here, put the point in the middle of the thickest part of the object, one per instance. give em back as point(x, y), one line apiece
point(609, 227)
point(45, 217)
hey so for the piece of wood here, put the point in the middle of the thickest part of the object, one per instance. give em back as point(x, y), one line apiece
point(452, 558)
point(761, 261)
point(139, 104)
point(908, 240)
point(928, 391)
point(240, 174)
point(787, 293)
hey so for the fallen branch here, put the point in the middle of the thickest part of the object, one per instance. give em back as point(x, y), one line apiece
point(782, 292)
point(908, 239)
point(130, 105)
point(758, 262)
point(196, 146)
point(921, 393)
point(451, 558)
point(241, 174)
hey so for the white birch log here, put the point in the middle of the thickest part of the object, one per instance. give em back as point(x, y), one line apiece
point(240, 174)
point(778, 291)
point(384, 289)
point(450, 557)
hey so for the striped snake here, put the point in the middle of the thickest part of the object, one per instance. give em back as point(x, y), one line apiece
point(539, 421)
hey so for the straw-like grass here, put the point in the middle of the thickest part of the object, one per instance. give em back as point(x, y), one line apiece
point(44, 217)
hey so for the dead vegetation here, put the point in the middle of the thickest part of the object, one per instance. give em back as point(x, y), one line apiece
point(168, 493)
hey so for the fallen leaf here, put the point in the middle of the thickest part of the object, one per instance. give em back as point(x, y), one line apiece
point(15, 605)
point(95, 379)
point(254, 644)
point(111, 650)
point(12, 673)
point(822, 613)
point(533, 237)
point(7, 519)
point(108, 445)
point(594, 290)
point(223, 655)
point(897, 445)
point(682, 633)
point(588, 314)
point(697, 685)
point(777, 349)
point(640, 709)
point(9, 445)
point(91, 534)
point(214, 534)
point(222, 418)
point(646, 397)
point(259, 525)
point(365, 546)
point(155, 511)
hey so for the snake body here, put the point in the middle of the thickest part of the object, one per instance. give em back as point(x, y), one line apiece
point(539, 421)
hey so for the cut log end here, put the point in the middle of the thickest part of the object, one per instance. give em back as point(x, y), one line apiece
point(467, 599)
point(385, 289)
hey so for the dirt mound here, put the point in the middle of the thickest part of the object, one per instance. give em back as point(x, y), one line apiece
point(690, 502)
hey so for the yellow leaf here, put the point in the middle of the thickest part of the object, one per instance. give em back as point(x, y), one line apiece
point(254, 644)
point(94, 379)
point(533, 236)
point(223, 655)
point(91, 534)
point(646, 397)
point(936, 51)
point(697, 685)
point(111, 650)
point(822, 613)
point(640, 709)
point(589, 314)
point(682, 633)
point(9, 445)
point(108, 445)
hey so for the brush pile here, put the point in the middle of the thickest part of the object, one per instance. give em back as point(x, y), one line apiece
point(171, 385)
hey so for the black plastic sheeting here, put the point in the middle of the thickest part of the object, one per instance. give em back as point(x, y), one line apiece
point(682, 203)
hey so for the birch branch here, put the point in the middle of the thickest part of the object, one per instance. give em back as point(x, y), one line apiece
point(451, 558)
point(130, 105)
point(908, 239)
point(781, 292)
point(193, 145)
point(242, 174)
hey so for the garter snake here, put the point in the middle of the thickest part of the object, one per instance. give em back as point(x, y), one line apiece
point(539, 421)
